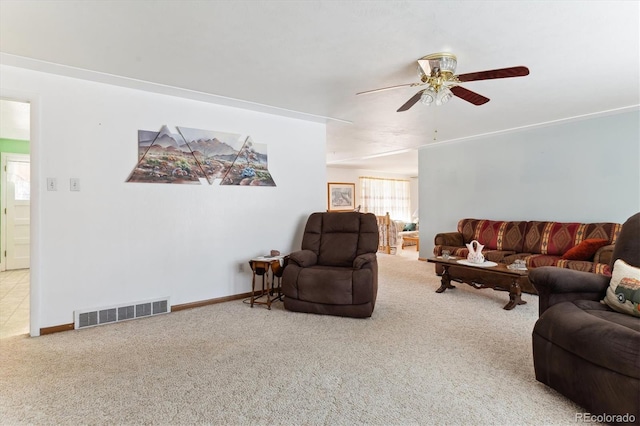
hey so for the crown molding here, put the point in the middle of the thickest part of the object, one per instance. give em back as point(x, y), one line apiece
point(147, 86)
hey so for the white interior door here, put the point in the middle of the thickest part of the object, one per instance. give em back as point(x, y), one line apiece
point(17, 212)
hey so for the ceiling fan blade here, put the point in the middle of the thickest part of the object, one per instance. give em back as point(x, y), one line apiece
point(491, 74)
point(411, 102)
point(468, 95)
point(366, 92)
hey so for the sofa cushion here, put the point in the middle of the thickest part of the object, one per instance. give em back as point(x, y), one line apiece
point(556, 238)
point(497, 255)
point(623, 293)
point(586, 249)
point(494, 235)
point(552, 238)
point(585, 266)
point(600, 230)
point(592, 331)
point(538, 260)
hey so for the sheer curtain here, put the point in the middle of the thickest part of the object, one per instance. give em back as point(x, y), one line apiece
point(380, 196)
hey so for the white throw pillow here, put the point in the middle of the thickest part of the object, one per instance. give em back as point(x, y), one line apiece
point(623, 293)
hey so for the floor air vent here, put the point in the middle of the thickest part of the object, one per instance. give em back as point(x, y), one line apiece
point(93, 317)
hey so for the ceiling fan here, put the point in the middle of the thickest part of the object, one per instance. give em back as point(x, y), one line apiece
point(437, 70)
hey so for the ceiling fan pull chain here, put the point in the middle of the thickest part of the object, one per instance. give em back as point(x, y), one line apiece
point(435, 122)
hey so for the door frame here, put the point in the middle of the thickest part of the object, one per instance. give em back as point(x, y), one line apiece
point(5, 157)
point(34, 149)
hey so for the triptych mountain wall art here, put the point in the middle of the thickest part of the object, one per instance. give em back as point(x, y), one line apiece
point(193, 155)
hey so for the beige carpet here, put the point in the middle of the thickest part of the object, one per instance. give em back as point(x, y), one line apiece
point(423, 358)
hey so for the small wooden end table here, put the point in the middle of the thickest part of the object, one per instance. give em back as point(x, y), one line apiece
point(260, 266)
point(497, 277)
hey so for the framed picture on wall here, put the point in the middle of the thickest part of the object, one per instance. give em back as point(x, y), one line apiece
point(341, 196)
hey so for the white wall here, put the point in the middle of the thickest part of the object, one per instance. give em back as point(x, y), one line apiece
point(115, 242)
point(14, 120)
point(346, 175)
point(577, 171)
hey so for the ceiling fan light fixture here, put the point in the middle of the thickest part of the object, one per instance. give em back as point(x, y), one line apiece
point(448, 64)
point(428, 96)
point(443, 96)
point(445, 62)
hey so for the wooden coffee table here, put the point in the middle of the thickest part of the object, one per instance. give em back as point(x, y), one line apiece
point(496, 277)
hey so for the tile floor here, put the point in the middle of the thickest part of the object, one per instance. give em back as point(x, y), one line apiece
point(14, 302)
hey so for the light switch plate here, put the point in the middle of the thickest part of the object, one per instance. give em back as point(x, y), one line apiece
point(52, 184)
point(74, 184)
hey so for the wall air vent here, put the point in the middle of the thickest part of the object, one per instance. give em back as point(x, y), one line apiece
point(92, 317)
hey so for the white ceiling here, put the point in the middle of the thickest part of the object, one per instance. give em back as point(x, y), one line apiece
point(311, 57)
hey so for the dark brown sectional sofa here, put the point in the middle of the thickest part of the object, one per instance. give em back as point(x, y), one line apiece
point(538, 243)
point(583, 348)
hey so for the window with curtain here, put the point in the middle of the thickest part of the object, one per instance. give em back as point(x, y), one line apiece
point(380, 196)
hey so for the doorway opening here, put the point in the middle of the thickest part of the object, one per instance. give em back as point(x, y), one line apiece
point(15, 223)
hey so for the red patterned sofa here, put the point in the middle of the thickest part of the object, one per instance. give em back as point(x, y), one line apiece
point(537, 243)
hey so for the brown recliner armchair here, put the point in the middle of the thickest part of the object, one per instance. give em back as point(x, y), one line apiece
point(581, 347)
point(336, 272)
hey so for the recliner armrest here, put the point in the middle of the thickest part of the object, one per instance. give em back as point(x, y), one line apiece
point(360, 261)
point(303, 258)
point(555, 285)
point(562, 280)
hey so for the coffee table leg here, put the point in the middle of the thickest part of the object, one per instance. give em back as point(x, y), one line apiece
point(445, 280)
point(515, 293)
